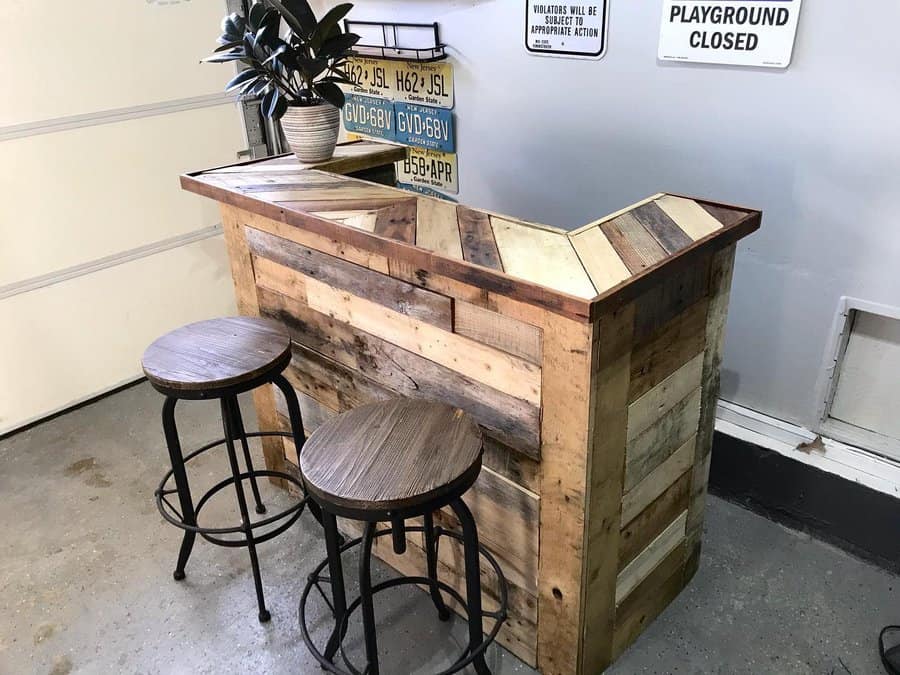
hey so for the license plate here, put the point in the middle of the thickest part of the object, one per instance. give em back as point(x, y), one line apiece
point(422, 190)
point(423, 83)
point(370, 116)
point(430, 168)
point(425, 126)
point(373, 77)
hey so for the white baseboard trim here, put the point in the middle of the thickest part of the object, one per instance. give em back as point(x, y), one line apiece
point(800, 444)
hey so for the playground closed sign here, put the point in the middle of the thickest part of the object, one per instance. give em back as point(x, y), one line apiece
point(732, 32)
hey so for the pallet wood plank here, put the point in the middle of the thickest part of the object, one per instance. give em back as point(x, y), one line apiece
point(376, 287)
point(635, 245)
point(477, 238)
point(560, 266)
point(695, 221)
point(437, 229)
point(640, 496)
point(662, 227)
point(637, 534)
point(279, 279)
point(510, 420)
point(669, 298)
point(725, 215)
point(600, 260)
point(364, 221)
point(647, 409)
point(652, 446)
point(484, 364)
point(492, 328)
point(664, 351)
point(644, 563)
point(398, 221)
point(512, 464)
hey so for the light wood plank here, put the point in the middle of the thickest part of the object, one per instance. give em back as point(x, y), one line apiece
point(659, 480)
point(437, 229)
point(278, 278)
point(693, 219)
point(321, 193)
point(652, 446)
point(663, 397)
point(484, 364)
point(492, 328)
point(364, 221)
point(600, 259)
point(559, 268)
point(643, 529)
point(638, 569)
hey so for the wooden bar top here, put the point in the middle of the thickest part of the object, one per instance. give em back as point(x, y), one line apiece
point(578, 273)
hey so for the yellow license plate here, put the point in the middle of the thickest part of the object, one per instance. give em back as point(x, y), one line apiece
point(429, 168)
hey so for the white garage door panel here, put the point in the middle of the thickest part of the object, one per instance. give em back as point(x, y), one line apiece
point(66, 342)
point(87, 193)
point(104, 54)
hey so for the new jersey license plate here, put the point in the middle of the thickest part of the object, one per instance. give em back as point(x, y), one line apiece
point(425, 126)
point(430, 168)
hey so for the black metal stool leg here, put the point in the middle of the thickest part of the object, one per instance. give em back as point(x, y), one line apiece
point(181, 484)
point(473, 581)
point(336, 576)
point(237, 423)
point(242, 505)
point(366, 604)
point(431, 557)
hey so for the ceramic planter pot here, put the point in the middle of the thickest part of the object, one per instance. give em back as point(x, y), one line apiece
point(312, 131)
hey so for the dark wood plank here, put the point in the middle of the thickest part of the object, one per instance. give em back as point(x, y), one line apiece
point(216, 353)
point(510, 420)
point(512, 464)
point(477, 236)
point(642, 530)
point(662, 227)
point(399, 296)
point(726, 215)
point(635, 245)
point(398, 221)
point(663, 302)
point(390, 455)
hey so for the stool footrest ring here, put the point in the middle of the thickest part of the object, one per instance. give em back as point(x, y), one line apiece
point(316, 578)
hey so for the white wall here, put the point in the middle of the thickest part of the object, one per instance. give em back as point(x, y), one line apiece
point(817, 147)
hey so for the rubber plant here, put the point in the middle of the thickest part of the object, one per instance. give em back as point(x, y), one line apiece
point(293, 62)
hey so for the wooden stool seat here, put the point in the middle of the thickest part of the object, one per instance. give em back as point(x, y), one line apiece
point(393, 455)
point(206, 356)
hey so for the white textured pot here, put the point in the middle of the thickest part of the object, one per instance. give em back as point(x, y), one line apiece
point(312, 131)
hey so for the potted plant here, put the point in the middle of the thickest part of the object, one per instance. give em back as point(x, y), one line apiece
point(296, 74)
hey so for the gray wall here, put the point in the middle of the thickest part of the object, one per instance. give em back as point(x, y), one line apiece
point(817, 147)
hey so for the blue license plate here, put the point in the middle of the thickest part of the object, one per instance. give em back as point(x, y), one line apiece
point(370, 116)
point(425, 127)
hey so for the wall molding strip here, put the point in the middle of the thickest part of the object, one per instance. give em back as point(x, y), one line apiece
point(55, 124)
point(65, 274)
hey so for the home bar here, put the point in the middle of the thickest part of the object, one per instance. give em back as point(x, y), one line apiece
point(589, 358)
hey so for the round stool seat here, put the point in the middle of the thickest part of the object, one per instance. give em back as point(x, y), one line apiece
point(392, 456)
point(198, 359)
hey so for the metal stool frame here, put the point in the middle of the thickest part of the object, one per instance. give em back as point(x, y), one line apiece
point(233, 426)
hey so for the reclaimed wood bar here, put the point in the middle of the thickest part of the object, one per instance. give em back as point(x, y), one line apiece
point(590, 358)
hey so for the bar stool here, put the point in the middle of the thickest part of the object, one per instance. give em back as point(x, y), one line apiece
point(388, 462)
point(219, 359)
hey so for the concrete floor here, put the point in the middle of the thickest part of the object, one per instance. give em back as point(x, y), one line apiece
point(86, 586)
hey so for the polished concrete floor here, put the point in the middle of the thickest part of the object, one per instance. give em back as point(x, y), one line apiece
point(86, 585)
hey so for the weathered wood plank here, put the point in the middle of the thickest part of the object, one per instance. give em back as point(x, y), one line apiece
point(612, 366)
point(695, 221)
point(364, 221)
point(663, 352)
point(437, 228)
point(245, 294)
point(662, 227)
point(560, 266)
point(278, 278)
point(670, 298)
point(635, 245)
point(600, 260)
point(639, 568)
point(725, 215)
point(510, 419)
point(652, 447)
point(484, 364)
point(649, 523)
point(492, 328)
point(477, 238)
point(659, 480)
point(512, 464)
point(376, 287)
point(398, 221)
point(647, 409)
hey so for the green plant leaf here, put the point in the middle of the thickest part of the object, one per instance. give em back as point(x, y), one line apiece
point(257, 11)
point(330, 92)
point(338, 46)
point(225, 46)
point(224, 58)
point(233, 26)
point(242, 78)
point(330, 21)
point(298, 15)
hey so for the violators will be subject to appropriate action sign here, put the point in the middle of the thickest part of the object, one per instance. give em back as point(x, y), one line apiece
point(732, 32)
point(574, 29)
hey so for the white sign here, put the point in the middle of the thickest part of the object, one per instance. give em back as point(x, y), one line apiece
point(576, 29)
point(732, 32)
